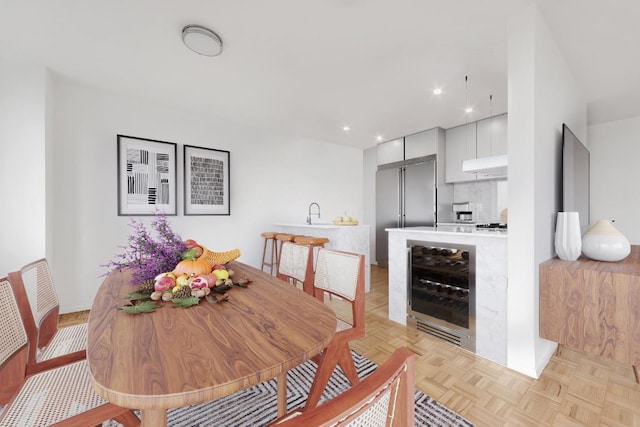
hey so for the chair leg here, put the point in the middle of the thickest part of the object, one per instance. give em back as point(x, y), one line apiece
point(331, 357)
point(325, 369)
point(345, 360)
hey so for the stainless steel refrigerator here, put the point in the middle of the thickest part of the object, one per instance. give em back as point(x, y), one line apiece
point(405, 197)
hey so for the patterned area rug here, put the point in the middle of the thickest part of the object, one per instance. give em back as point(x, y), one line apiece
point(256, 406)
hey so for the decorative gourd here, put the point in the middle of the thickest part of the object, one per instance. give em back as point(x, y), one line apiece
point(191, 265)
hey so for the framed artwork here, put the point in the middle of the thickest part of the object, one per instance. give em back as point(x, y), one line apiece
point(146, 176)
point(206, 181)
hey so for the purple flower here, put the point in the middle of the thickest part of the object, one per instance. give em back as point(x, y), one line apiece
point(145, 256)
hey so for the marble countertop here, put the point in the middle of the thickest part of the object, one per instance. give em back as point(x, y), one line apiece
point(458, 230)
point(318, 225)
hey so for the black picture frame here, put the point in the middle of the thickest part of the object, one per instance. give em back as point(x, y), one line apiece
point(206, 181)
point(146, 176)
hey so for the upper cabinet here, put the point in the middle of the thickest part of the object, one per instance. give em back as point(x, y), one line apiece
point(391, 151)
point(483, 138)
point(460, 146)
point(421, 144)
point(492, 136)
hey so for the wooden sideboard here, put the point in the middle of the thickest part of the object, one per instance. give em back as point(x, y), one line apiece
point(593, 306)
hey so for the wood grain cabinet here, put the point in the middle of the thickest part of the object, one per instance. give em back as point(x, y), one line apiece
point(593, 306)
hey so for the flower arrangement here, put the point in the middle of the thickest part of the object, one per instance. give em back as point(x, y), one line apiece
point(169, 269)
point(147, 257)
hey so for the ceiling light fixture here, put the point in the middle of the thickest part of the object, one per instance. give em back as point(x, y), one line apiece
point(346, 128)
point(437, 91)
point(202, 40)
point(379, 138)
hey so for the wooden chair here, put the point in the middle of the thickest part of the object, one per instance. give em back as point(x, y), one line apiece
point(295, 265)
point(384, 398)
point(340, 274)
point(59, 396)
point(39, 307)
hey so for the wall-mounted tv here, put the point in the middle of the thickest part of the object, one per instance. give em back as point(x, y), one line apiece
point(575, 176)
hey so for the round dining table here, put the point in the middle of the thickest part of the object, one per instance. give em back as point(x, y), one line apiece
point(174, 357)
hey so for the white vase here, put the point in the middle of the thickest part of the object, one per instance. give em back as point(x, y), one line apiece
point(603, 242)
point(568, 242)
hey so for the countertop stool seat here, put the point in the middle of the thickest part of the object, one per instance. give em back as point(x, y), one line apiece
point(311, 240)
point(270, 241)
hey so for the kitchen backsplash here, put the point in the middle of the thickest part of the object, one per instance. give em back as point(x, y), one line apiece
point(489, 198)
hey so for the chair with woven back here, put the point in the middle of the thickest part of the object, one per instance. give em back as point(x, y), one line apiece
point(384, 398)
point(340, 274)
point(295, 265)
point(39, 307)
point(57, 396)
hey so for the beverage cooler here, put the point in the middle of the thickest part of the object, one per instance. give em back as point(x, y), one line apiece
point(441, 291)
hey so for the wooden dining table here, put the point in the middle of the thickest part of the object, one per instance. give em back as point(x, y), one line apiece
point(174, 357)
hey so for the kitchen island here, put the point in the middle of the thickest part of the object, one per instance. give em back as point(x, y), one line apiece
point(490, 280)
point(348, 238)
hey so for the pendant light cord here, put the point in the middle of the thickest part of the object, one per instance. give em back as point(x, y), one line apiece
point(490, 125)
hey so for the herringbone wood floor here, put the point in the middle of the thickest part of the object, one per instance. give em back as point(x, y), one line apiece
point(575, 389)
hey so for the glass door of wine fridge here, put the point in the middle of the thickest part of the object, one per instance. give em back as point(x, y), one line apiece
point(441, 294)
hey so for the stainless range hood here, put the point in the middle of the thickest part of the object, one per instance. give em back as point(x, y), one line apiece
point(494, 166)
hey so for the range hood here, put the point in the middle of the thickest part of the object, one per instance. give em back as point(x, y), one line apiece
point(494, 166)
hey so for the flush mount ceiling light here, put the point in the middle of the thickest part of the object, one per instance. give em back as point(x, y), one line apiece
point(202, 40)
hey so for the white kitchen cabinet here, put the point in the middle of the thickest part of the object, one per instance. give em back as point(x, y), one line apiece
point(421, 144)
point(391, 151)
point(460, 145)
point(492, 136)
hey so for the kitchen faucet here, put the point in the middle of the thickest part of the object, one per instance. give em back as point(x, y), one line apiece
point(309, 215)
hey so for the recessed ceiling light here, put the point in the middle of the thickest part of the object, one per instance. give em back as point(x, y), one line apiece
point(469, 110)
point(346, 128)
point(437, 91)
point(379, 138)
point(202, 40)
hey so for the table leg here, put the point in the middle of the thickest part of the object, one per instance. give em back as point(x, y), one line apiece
point(154, 418)
point(282, 394)
point(637, 373)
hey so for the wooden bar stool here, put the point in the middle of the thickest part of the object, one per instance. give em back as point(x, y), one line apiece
point(270, 240)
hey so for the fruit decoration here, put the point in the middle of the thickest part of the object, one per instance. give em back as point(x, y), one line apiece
point(197, 276)
point(191, 265)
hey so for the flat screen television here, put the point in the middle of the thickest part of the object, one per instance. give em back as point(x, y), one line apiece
point(575, 176)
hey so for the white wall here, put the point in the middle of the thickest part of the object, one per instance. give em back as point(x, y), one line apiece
point(615, 176)
point(273, 179)
point(22, 175)
point(542, 95)
point(370, 165)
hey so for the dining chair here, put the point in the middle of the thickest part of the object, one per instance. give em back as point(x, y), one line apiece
point(295, 265)
point(340, 274)
point(39, 307)
point(58, 396)
point(384, 398)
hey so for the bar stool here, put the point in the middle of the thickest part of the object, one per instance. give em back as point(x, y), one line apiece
point(273, 259)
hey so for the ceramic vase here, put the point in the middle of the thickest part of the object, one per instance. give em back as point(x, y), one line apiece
point(568, 242)
point(603, 242)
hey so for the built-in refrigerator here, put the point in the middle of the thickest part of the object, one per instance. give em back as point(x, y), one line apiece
point(405, 197)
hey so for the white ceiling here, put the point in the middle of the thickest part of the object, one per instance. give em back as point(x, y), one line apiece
point(310, 67)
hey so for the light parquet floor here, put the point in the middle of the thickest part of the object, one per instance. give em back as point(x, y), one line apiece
point(575, 389)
